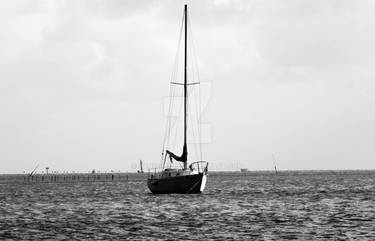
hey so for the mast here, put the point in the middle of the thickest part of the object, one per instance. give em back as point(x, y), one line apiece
point(185, 91)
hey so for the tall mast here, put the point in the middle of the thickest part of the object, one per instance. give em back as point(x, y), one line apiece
point(185, 90)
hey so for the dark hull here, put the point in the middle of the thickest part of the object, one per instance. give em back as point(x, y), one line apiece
point(178, 184)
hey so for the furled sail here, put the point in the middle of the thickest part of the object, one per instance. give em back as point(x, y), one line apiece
point(182, 158)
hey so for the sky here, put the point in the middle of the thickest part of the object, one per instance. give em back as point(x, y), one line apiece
point(83, 83)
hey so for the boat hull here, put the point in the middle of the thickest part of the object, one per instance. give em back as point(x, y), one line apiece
point(194, 183)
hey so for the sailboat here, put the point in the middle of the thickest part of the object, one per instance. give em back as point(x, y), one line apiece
point(141, 167)
point(274, 163)
point(184, 180)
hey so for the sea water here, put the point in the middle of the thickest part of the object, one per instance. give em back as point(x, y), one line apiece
point(327, 205)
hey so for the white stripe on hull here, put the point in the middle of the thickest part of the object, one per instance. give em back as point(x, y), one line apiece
point(203, 184)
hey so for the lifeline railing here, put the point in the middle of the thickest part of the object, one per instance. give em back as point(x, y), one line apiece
point(201, 166)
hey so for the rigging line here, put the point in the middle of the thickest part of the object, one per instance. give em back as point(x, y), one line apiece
point(172, 140)
point(174, 120)
point(175, 66)
point(191, 66)
point(168, 118)
point(181, 165)
point(193, 76)
point(192, 44)
point(192, 93)
point(194, 90)
point(178, 121)
point(170, 110)
point(200, 122)
point(197, 118)
point(193, 133)
point(193, 83)
point(168, 123)
point(190, 111)
point(172, 91)
point(177, 124)
point(165, 157)
point(198, 100)
point(166, 130)
point(168, 127)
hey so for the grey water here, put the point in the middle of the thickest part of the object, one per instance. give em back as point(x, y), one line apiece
point(319, 205)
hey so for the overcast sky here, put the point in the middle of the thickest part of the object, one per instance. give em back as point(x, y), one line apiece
point(82, 83)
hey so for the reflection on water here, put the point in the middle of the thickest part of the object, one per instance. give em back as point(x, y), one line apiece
point(255, 206)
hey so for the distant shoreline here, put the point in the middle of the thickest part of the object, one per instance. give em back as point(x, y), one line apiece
point(248, 171)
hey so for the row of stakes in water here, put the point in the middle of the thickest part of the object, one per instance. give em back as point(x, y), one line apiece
point(104, 177)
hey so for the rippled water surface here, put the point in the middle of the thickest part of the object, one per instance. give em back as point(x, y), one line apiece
point(255, 206)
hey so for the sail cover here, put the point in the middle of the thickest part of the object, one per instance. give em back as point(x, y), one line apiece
point(182, 158)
